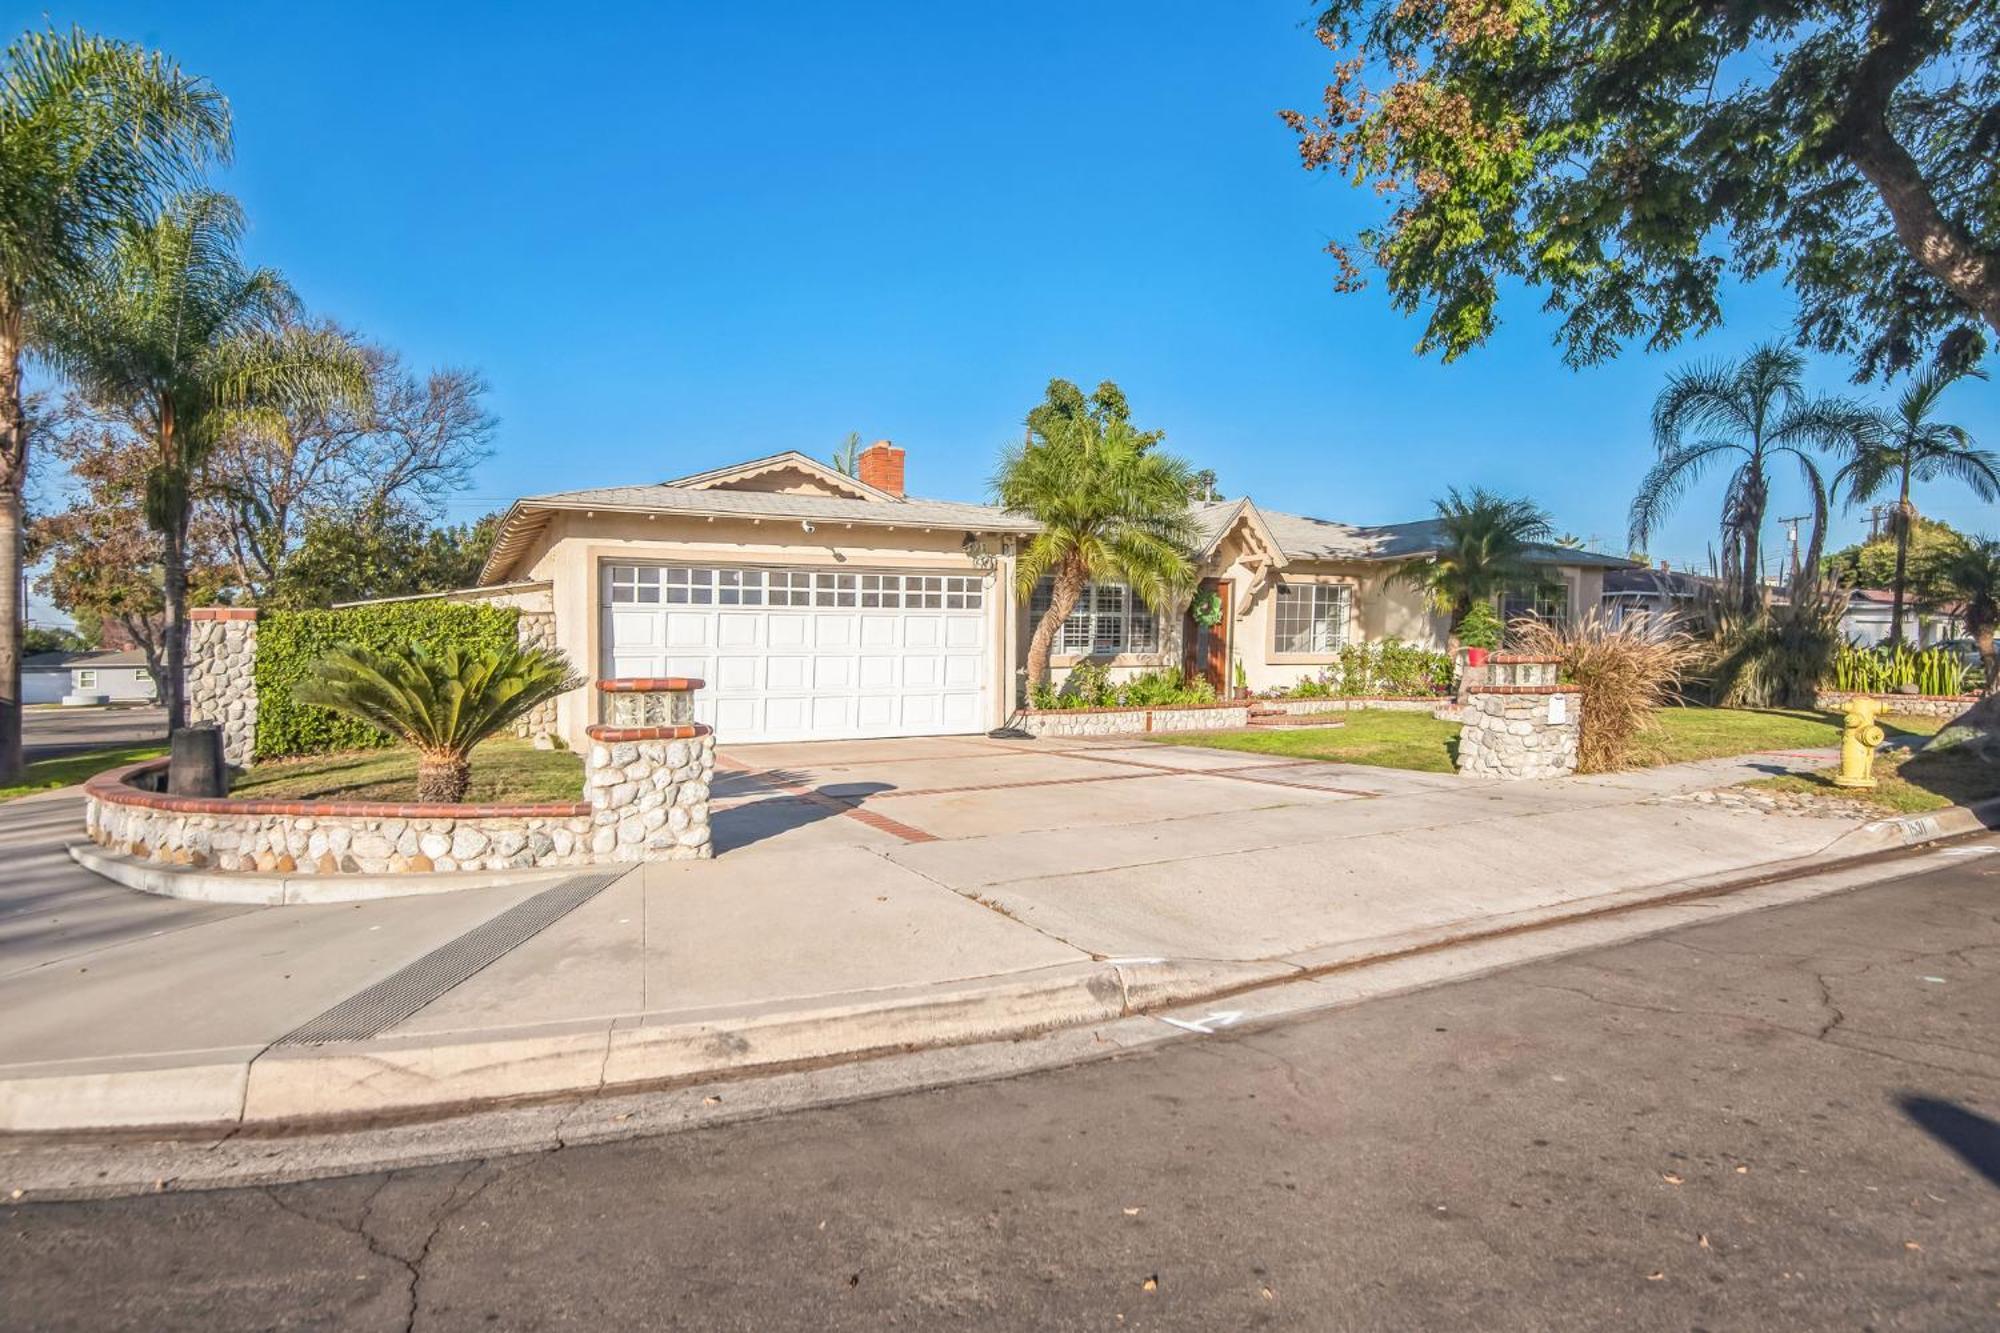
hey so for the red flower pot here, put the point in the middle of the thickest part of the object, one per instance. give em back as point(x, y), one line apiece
point(1475, 657)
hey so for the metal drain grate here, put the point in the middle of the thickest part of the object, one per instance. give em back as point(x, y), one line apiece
point(388, 1002)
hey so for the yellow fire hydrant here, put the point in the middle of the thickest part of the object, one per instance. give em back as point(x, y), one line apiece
point(1857, 743)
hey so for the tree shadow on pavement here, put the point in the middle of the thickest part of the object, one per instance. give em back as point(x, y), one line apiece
point(1972, 1136)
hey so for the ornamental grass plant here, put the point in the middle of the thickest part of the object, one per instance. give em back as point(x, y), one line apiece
point(1627, 669)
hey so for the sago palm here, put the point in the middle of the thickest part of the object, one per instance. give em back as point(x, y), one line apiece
point(181, 338)
point(1754, 411)
point(441, 703)
point(1112, 508)
point(93, 133)
point(1908, 445)
point(1484, 544)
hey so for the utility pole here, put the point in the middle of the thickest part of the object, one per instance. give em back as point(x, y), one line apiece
point(1792, 531)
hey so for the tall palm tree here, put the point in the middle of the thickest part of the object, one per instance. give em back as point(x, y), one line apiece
point(1757, 409)
point(847, 458)
point(1484, 541)
point(1111, 508)
point(93, 133)
point(1906, 446)
point(182, 339)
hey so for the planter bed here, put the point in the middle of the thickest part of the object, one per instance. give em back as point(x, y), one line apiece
point(287, 836)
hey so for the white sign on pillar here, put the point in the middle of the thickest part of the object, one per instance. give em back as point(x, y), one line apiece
point(1558, 708)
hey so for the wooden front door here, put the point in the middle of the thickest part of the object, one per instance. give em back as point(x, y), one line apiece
point(1206, 655)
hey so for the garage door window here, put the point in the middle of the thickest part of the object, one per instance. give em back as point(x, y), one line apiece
point(691, 586)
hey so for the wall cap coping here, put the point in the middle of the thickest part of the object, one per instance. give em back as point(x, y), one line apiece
point(1893, 695)
point(114, 787)
point(1137, 708)
point(620, 735)
point(1478, 690)
point(1354, 698)
point(222, 613)
point(648, 684)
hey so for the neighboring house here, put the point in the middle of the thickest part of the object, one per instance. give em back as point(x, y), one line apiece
point(814, 604)
point(121, 677)
point(1866, 620)
point(1659, 593)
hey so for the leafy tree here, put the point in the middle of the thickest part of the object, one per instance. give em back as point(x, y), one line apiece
point(102, 563)
point(51, 639)
point(1756, 409)
point(189, 343)
point(1204, 486)
point(1872, 564)
point(1484, 544)
point(92, 134)
point(351, 556)
point(1111, 508)
point(1625, 158)
point(403, 448)
point(441, 703)
point(847, 458)
point(1909, 445)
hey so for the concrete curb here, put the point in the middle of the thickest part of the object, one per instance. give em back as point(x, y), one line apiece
point(436, 1074)
point(286, 890)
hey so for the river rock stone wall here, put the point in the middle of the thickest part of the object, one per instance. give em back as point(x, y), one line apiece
point(649, 797)
point(1519, 732)
point(222, 676)
point(1909, 705)
point(1131, 721)
point(537, 629)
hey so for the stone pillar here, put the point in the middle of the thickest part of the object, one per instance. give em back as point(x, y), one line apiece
point(648, 784)
point(537, 629)
point(1520, 723)
point(222, 676)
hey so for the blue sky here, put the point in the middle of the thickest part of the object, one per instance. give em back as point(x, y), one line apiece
point(674, 235)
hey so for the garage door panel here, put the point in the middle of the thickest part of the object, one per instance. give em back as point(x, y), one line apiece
point(840, 654)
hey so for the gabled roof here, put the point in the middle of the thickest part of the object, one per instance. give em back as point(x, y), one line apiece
point(1217, 520)
point(790, 460)
point(1306, 538)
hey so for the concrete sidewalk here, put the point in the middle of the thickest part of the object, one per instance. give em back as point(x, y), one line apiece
point(869, 896)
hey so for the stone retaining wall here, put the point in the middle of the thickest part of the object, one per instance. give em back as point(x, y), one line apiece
point(1404, 703)
point(537, 629)
point(1133, 721)
point(222, 676)
point(648, 789)
point(1909, 705)
point(1520, 731)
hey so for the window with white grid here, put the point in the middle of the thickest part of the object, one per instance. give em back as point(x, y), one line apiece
point(1107, 619)
point(1311, 617)
point(635, 583)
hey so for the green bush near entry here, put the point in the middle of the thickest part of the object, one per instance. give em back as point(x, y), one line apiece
point(289, 642)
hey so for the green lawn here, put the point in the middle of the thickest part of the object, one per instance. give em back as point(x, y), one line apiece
point(503, 769)
point(1905, 784)
point(1420, 741)
point(1372, 736)
point(70, 769)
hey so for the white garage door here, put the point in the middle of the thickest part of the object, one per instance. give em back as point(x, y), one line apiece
point(806, 654)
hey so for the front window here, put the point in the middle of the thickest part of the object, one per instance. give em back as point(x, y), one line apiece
point(86, 680)
point(1311, 617)
point(1109, 619)
point(1548, 603)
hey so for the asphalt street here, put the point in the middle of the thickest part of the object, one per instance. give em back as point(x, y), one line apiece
point(1783, 1120)
point(51, 731)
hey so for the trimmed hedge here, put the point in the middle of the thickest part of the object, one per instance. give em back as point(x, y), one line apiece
point(288, 642)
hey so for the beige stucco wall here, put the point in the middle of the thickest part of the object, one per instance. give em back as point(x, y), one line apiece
point(573, 548)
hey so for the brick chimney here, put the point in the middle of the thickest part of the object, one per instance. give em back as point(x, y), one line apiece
point(882, 467)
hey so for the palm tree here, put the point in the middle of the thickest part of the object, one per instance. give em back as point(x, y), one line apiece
point(1111, 508)
point(1758, 409)
point(442, 702)
point(1967, 581)
point(847, 458)
point(1907, 446)
point(1484, 541)
point(93, 133)
point(181, 339)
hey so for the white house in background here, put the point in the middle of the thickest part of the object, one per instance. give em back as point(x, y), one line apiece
point(819, 605)
point(1866, 620)
point(119, 677)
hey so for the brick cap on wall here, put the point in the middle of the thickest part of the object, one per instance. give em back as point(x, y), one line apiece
point(222, 613)
point(649, 684)
point(620, 735)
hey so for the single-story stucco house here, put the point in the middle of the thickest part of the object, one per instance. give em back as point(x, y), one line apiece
point(818, 605)
point(116, 677)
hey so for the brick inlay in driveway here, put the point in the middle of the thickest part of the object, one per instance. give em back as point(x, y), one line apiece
point(840, 805)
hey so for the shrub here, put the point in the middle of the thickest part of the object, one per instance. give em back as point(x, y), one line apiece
point(1481, 627)
point(1777, 655)
point(1390, 667)
point(1626, 670)
point(1882, 669)
point(441, 703)
point(290, 642)
point(1089, 685)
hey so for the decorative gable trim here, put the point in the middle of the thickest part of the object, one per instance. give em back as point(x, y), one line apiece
point(1264, 547)
point(842, 485)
